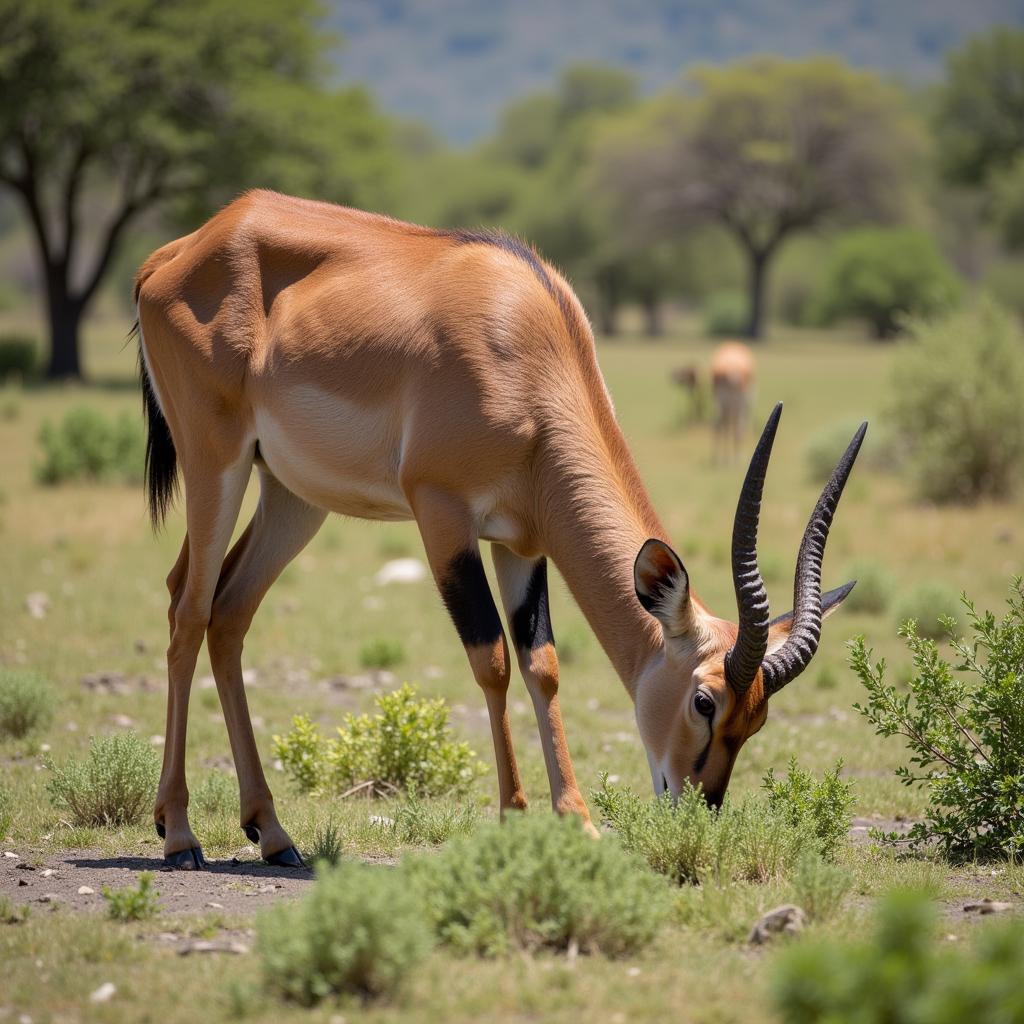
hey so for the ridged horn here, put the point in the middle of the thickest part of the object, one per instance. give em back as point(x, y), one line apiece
point(785, 664)
point(746, 655)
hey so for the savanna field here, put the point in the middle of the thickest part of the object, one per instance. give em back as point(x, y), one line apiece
point(83, 607)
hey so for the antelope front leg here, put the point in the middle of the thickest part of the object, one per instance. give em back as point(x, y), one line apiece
point(450, 541)
point(524, 593)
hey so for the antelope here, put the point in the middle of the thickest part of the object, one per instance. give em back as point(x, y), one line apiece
point(386, 371)
point(732, 384)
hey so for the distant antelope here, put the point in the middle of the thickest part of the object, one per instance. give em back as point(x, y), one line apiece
point(386, 371)
point(732, 384)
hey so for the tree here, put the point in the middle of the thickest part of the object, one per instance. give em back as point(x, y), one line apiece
point(111, 109)
point(766, 148)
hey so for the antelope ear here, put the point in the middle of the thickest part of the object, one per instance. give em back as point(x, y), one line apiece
point(663, 587)
point(778, 629)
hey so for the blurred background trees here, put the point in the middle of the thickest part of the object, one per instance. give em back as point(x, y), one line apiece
point(765, 189)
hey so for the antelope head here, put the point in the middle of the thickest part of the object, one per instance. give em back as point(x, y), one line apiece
point(707, 691)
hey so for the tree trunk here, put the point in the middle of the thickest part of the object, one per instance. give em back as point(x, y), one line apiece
point(653, 318)
point(757, 271)
point(65, 313)
point(609, 297)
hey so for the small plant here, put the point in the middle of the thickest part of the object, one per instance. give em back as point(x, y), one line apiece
point(875, 587)
point(382, 653)
point(927, 605)
point(130, 904)
point(327, 847)
point(819, 888)
point(956, 409)
point(900, 975)
point(217, 793)
point(17, 357)
point(26, 704)
point(540, 882)
point(11, 913)
point(6, 810)
point(406, 746)
point(420, 822)
point(359, 931)
point(113, 786)
point(964, 727)
point(825, 805)
point(726, 314)
point(85, 445)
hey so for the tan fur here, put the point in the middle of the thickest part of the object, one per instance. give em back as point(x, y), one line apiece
point(389, 371)
point(733, 372)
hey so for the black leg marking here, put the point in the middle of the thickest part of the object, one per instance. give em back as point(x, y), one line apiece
point(531, 621)
point(467, 597)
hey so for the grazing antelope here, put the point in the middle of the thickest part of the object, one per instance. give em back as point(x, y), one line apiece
point(386, 371)
point(732, 384)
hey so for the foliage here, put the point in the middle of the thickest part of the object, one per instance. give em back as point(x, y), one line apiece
point(130, 904)
point(901, 975)
point(964, 728)
point(6, 809)
point(755, 839)
point(26, 703)
point(85, 445)
point(11, 913)
point(825, 803)
point(327, 846)
point(432, 824)
point(927, 605)
point(957, 409)
point(382, 652)
point(875, 587)
point(825, 447)
point(217, 793)
point(17, 356)
point(406, 746)
point(726, 314)
point(358, 931)
point(540, 882)
point(113, 786)
point(884, 275)
point(819, 887)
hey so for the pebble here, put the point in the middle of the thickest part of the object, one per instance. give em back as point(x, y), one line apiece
point(787, 919)
point(205, 946)
point(987, 906)
point(84, 890)
point(104, 993)
point(47, 897)
point(379, 819)
point(8, 853)
point(215, 906)
point(401, 570)
point(47, 872)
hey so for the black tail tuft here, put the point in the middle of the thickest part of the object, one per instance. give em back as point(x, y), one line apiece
point(161, 457)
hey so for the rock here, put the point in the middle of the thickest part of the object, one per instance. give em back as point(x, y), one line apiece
point(122, 721)
point(379, 819)
point(156, 740)
point(787, 919)
point(47, 897)
point(205, 946)
point(85, 890)
point(37, 604)
point(987, 906)
point(104, 993)
point(401, 570)
point(47, 872)
point(215, 905)
point(107, 682)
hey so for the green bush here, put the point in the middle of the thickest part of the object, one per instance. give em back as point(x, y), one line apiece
point(358, 931)
point(825, 447)
point(17, 357)
point(755, 839)
point(726, 314)
point(883, 275)
point(114, 785)
point(217, 793)
point(406, 746)
point(901, 975)
point(85, 445)
point(819, 888)
point(382, 652)
point(957, 411)
point(964, 727)
point(26, 704)
point(6, 810)
point(133, 904)
point(420, 822)
point(875, 587)
point(540, 882)
point(927, 605)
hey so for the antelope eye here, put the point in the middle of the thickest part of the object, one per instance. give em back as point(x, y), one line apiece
point(703, 704)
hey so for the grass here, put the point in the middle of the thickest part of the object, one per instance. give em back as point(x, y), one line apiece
point(88, 547)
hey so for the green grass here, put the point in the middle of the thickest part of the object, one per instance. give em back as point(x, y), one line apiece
point(88, 547)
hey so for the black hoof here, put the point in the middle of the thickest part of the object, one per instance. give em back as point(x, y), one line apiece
point(287, 858)
point(186, 860)
point(160, 830)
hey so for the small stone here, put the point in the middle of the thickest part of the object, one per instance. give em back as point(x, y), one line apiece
point(785, 920)
point(47, 897)
point(122, 721)
point(267, 888)
point(85, 890)
point(37, 604)
point(379, 819)
point(401, 570)
point(156, 740)
point(215, 906)
point(168, 936)
point(104, 993)
point(634, 972)
point(10, 855)
point(987, 906)
point(22, 881)
point(205, 946)
point(47, 872)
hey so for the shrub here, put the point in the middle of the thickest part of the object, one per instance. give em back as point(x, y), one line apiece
point(874, 590)
point(825, 805)
point(540, 882)
point(17, 357)
point(26, 704)
point(964, 728)
point(957, 411)
point(217, 793)
point(85, 445)
point(327, 847)
point(819, 888)
point(406, 746)
point(900, 975)
point(6, 810)
point(882, 275)
point(112, 786)
point(726, 314)
point(825, 447)
point(133, 904)
point(359, 930)
point(926, 605)
point(382, 652)
point(432, 824)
